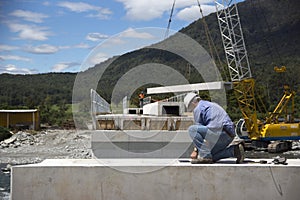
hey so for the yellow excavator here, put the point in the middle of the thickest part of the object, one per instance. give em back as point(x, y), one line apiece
point(270, 133)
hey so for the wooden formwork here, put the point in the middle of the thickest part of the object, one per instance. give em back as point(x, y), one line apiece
point(106, 124)
point(158, 123)
point(132, 124)
point(181, 123)
point(143, 122)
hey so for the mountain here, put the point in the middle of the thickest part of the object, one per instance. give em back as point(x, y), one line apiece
point(271, 32)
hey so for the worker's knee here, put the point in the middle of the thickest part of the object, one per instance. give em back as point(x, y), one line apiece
point(193, 130)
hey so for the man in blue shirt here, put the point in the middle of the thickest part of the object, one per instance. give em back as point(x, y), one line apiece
point(212, 132)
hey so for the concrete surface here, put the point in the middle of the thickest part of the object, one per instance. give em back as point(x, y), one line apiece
point(136, 179)
point(141, 144)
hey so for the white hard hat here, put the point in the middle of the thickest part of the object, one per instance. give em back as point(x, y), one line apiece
point(188, 98)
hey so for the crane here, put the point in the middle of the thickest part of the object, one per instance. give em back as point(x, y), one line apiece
point(260, 132)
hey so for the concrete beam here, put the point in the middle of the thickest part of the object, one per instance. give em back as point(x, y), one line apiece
point(189, 87)
point(149, 179)
point(141, 144)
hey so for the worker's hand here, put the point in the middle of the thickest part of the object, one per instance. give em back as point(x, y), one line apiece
point(194, 154)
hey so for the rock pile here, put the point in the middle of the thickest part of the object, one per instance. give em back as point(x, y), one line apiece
point(24, 147)
point(18, 139)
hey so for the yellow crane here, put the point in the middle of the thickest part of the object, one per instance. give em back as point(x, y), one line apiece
point(261, 132)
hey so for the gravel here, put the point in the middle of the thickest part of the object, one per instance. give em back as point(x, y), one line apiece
point(25, 147)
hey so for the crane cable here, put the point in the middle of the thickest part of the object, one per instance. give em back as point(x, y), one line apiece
point(207, 33)
point(211, 45)
point(210, 42)
point(170, 20)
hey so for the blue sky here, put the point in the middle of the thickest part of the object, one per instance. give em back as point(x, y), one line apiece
point(39, 36)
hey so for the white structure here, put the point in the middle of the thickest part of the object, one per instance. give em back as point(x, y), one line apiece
point(189, 87)
point(149, 179)
point(164, 108)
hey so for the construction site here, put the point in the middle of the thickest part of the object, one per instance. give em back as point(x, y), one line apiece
point(144, 152)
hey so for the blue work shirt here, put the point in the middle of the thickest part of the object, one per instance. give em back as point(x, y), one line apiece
point(213, 116)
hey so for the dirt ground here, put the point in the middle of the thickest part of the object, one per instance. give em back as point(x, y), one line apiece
point(24, 147)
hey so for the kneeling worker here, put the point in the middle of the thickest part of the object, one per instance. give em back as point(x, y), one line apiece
point(212, 132)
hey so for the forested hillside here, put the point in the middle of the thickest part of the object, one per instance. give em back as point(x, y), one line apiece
point(271, 31)
point(51, 93)
point(37, 89)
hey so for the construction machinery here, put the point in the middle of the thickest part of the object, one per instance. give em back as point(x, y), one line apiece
point(269, 133)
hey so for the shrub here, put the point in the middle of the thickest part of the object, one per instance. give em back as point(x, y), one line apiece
point(4, 133)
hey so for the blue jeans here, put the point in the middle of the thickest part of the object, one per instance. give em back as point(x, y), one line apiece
point(210, 144)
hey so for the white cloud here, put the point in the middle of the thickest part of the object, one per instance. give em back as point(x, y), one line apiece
point(133, 33)
point(29, 16)
point(77, 6)
point(63, 66)
point(4, 47)
point(12, 69)
point(98, 58)
point(144, 10)
point(192, 13)
point(124, 39)
point(14, 57)
point(129, 33)
point(96, 36)
point(50, 49)
point(29, 32)
point(115, 41)
point(184, 3)
point(42, 49)
point(80, 7)
point(82, 46)
point(60, 67)
point(46, 3)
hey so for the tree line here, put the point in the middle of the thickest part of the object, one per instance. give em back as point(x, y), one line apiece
point(271, 37)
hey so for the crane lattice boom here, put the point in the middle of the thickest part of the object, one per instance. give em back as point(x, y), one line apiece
point(238, 64)
point(233, 40)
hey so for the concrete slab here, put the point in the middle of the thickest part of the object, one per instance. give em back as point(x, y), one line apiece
point(141, 144)
point(137, 179)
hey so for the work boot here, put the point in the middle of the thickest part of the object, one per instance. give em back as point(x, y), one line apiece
point(194, 154)
point(202, 161)
point(239, 153)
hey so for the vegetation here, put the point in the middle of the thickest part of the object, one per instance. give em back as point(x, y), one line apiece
point(271, 32)
point(51, 93)
point(4, 133)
